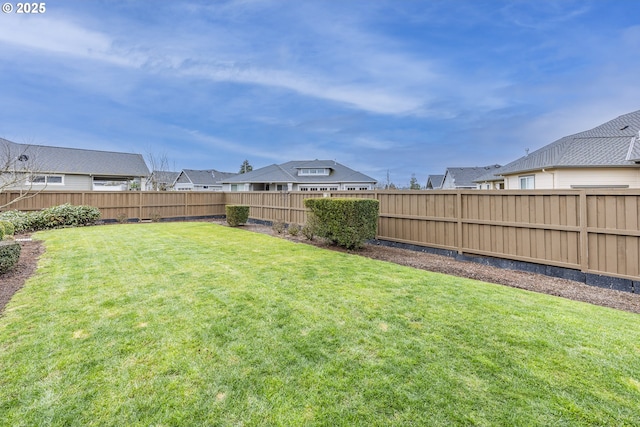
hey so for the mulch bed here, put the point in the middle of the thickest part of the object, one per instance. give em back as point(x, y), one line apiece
point(13, 280)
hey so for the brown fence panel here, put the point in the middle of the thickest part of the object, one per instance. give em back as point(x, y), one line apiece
point(613, 227)
point(526, 226)
point(130, 204)
point(422, 218)
point(37, 201)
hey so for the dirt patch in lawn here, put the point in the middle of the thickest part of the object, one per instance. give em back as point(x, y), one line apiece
point(13, 280)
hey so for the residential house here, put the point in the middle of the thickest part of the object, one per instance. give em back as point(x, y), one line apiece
point(301, 175)
point(607, 156)
point(200, 180)
point(434, 182)
point(464, 178)
point(64, 169)
point(491, 180)
point(161, 180)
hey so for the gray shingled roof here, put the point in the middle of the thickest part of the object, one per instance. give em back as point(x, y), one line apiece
point(435, 181)
point(288, 172)
point(47, 159)
point(492, 174)
point(206, 177)
point(466, 177)
point(165, 176)
point(614, 143)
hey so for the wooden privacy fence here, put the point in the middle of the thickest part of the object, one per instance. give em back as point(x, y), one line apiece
point(594, 231)
point(128, 204)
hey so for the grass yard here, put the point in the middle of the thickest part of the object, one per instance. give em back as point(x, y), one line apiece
point(197, 324)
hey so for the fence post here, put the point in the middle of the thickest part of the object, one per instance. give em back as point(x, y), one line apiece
point(584, 233)
point(459, 240)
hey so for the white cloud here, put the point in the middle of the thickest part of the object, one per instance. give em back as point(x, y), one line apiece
point(41, 33)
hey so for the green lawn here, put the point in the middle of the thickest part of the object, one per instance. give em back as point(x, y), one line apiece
point(196, 324)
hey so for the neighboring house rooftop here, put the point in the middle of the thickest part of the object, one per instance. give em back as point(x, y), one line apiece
point(493, 174)
point(205, 177)
point(434, 182)
point(465, 177)
point(615, 143)
point(288, 172)
point(165, 176)
point(48, 159)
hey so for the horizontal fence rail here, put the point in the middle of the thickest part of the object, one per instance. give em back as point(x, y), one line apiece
point(595, 231)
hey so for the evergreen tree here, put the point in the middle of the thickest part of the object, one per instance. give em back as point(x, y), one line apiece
point(413, 184)
point(245, 167)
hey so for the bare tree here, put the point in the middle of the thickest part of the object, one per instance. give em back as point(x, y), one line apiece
point(159, 165)
point(18, 172)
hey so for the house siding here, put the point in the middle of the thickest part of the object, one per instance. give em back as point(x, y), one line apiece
point(584, 177)
point(70, 183)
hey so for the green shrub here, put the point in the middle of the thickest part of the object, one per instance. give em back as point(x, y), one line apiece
point(2, 232)
point(237, 214)
point(9, 255)
point(347, 222)
point(9, 229)
point(19, 219)
point(54, 217)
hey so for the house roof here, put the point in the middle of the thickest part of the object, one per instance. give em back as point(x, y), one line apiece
point(64, 160)
point(466, 176)
point(165, 176)
point(288, 172)
point(615, 143)
point(435, 181)
point(493, 174)
point(206, 176)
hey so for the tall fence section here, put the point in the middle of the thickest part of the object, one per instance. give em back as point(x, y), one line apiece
point(594, 231)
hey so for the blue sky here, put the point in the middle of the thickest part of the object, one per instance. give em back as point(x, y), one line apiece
point(408, 87)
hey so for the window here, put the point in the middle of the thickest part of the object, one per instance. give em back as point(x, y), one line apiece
point(527, 182)
point(46, 179)
point(313, 171)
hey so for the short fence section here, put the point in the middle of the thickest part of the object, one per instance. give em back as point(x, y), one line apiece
point(595, 231)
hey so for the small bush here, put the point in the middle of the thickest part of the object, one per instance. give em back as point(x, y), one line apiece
point(20, 220)
point(1, 230)
point(155, 216)
point(278, 226)
point(54, 217)
point(9, 255)
point(122, 218)
point(237, 214)
point(347, 222)
point(9, 229)
point(294, 229)
point(309, 228)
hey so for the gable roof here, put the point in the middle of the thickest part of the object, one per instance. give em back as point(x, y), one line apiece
point(615, 143)
point(466, 177)
point(288, 172)
point(434, 181)
point(164, 176)
point(493, 174)
point(48, 159)
point(204, 177)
